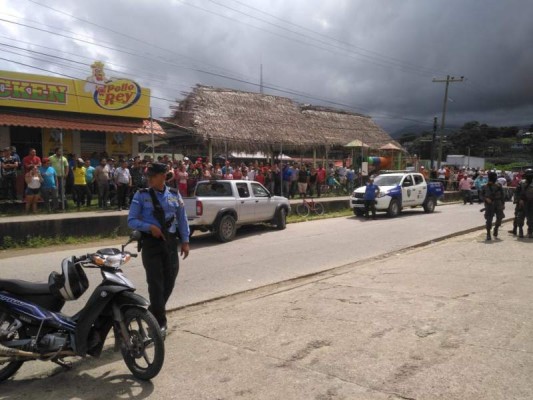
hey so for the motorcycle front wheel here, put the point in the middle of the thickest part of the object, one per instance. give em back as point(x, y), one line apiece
point(144, 353)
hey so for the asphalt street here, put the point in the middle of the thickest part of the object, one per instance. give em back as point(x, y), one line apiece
point(261, 255)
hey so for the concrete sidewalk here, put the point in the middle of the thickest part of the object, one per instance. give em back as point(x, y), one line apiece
point(452, 320)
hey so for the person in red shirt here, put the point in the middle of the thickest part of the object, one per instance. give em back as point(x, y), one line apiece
point(320, 178)
point(31, 160)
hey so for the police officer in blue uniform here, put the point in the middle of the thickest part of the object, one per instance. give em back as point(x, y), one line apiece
point(158, 212)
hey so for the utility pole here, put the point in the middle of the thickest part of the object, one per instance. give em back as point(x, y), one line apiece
point(433, 140)
point(261, 79)
point(449, 79)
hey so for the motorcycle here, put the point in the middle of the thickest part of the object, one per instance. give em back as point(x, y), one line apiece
point(32, 326)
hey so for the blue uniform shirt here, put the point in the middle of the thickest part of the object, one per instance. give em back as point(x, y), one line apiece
point(370, 191)
point(141, 214)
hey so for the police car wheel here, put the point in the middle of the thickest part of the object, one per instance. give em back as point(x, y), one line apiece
point(226, 228)
point(429, 205)
point(394, 208)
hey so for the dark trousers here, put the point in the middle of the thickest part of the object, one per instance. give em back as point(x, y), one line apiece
point(90, 191)
point(103, 194)
point(160, 260)
point(370, 206)
point(80, 192)
point(11, 186)
point(48, 194)
point(467, 197)
point(122, 195)
point(492, 210)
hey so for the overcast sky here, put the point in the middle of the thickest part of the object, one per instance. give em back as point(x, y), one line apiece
point(376, 56)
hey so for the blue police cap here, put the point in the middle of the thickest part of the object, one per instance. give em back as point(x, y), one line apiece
point(156, 168)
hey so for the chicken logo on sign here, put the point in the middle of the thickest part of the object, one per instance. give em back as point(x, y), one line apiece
point(111, 94)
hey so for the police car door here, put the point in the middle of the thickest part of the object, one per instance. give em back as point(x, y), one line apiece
point(408, 191)
point(421, 188)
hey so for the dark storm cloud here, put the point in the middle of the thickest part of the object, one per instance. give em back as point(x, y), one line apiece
point(486, 41)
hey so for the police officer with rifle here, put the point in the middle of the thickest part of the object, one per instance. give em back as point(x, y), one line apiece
point(526, 200)
point(158, 212)
point(494, 203)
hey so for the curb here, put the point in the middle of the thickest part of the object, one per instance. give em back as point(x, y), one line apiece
point(328, 271)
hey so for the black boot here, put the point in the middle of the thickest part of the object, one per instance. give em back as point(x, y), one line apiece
point(488, 234)
point(513, 231)
point(521, 233)
point(495, 231)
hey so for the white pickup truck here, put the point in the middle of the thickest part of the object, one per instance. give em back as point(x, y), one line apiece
point(221, 206)
point(400, 190)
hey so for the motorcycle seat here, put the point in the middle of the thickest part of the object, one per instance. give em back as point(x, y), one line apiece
point(19, 287)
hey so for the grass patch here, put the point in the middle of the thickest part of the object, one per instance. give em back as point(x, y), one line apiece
point(294, 218)
point(33, 242)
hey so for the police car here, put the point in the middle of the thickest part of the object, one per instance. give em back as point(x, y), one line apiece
point(399, 190)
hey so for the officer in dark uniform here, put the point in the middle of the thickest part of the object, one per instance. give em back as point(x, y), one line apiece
point(159, 213)
point(494, 203)
point(518, 221)
point(526, 200)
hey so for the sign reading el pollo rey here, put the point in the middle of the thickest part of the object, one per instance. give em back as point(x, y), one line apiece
point(95, 95)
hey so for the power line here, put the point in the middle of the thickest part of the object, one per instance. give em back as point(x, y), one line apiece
point(151, 45)
point(332, 38)
point(274, 88)
point(333, 51)
point(392, 63)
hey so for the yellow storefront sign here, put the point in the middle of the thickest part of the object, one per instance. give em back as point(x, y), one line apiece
point(118, 144)
point(52, 140)
point(97, 94)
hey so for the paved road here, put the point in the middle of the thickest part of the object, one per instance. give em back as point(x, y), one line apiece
point(261, 255)
point(396, 328)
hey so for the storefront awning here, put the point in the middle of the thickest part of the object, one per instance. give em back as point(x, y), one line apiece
point(38, 119)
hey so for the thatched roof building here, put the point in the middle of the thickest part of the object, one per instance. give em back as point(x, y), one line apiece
point(251, 121)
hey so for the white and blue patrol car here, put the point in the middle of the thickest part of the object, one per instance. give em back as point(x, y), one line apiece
point(399, 190)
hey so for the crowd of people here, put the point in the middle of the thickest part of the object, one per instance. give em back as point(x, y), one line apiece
point(113, 182)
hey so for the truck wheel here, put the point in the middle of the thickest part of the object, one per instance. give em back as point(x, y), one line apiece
point(281, 219)
point(394, 208)
point(226, 229)
point(429, 205)
point(358, 212)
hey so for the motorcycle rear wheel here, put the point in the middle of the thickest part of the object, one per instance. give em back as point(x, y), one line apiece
point(8, 369)
point(145, 339)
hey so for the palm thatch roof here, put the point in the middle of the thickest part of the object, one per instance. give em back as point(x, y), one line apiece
point(248, 121)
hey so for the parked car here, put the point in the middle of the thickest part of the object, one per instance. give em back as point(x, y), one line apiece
point(399, 190)
point(221, 206)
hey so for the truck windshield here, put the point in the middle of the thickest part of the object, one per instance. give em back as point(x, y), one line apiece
point(214, 189)
point(388, 180)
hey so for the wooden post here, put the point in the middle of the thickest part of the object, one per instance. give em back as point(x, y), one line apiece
point(210, 151)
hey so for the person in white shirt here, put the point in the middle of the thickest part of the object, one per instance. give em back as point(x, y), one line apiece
point(123, 182)
point(251, 173)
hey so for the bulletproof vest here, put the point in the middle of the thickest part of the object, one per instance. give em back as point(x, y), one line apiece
point(527, 189)
point(493, 192)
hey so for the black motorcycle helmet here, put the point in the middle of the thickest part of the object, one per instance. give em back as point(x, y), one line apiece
point(71, 283)
point(492, 176)
point(528, 174)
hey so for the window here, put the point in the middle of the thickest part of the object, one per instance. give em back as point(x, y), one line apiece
point(408, 181)
point(214, 189)
point(259, 190)
point(242, 188)
point(419, 180)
